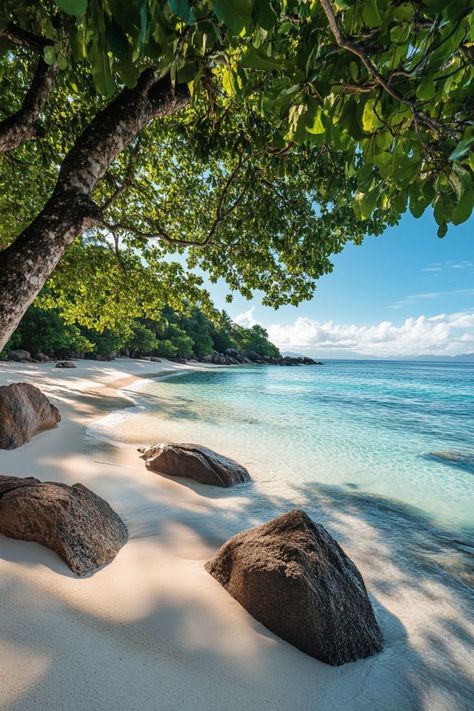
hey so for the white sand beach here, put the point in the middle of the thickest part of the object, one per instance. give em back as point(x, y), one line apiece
point(154, 631)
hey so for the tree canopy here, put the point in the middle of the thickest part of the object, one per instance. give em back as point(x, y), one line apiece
point(255, 138)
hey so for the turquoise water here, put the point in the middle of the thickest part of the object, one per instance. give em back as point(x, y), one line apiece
point(367, 427)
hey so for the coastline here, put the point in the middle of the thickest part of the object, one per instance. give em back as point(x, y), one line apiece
point(154, 630)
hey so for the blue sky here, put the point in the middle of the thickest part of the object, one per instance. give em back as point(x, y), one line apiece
point(406, 274)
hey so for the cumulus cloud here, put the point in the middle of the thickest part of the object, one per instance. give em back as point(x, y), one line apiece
point(444, 334)
point(246, 318)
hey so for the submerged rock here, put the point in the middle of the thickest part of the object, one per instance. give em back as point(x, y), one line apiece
point(24, 411)
point(295, 579)
point(463, 460)
point(73, 521)
point(194, 462)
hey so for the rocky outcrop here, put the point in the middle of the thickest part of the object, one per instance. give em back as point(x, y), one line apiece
point(19, 355)
point(194, 462)
point(231, 356)
point(24, 411)
point(73, 521)
point(65, 364)
point(293, 577)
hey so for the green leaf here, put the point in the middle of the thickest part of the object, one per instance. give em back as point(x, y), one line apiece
point(144, 24)
point(463, 209)
point(317, 125)
point(49, 54)
point(265, 15)
point(370, 121)
point(442, 229)
point(370, 13)
point(462, 148)
point(72, 7)
point(101, 70)
point(236, 14)
point(256, 59)
point(365, 203)
point(354, 70)
point(184, 10)
point(427, 88)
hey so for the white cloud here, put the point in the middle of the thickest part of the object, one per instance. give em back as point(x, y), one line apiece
point(445, 334)
point(246, 318)
point(442, 266)
point(413, 298)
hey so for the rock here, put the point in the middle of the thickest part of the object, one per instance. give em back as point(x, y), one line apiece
point(233, 352)
point(73, 521)
point(65, 364)
point(252, 356)
point(463, 460)
point(19, 355)
point(24, 411)
point(293, 577)
point(195, 462)
point(41, 357)
point(154, 359)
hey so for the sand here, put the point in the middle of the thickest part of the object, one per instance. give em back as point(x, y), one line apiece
point(153, 631)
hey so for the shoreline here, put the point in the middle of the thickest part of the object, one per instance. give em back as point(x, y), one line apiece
point(154, 630)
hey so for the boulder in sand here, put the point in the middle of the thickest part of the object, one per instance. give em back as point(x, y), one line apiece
point(65, 364)
point(295, 579)
point(73, 521)
point(194, 462)
point(24, 411)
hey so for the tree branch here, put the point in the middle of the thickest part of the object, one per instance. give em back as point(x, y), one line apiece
point(22, 126)
point(161, 234)
point(346, 43)
point(24, 38)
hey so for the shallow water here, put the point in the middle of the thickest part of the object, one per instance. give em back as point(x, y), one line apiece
point(367, 427)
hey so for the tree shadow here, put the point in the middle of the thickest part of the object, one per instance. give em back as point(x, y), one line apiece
point(399, 553)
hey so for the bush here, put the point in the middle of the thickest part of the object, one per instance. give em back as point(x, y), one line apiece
point(166, 349)
point(142, 342)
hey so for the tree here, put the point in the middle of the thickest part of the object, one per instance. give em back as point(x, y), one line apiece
point(143, 340)
point(255, 339)
point(302, 125)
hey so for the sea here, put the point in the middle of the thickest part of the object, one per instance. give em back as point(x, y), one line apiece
point(397, 434)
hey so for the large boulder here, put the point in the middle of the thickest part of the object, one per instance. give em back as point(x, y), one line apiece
point(194, 462)
point(24, 411)
point(252, 356)
point(73, 521)
point(19, 355)
point(293, 577)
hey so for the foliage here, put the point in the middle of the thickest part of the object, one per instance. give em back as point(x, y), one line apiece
point(386, 85)
point(172, 335)
point(46, 332)
point(142, 341)
point(312, 123)
point(255, 339)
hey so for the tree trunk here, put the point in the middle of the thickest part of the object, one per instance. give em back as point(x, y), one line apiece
point(30, 260)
